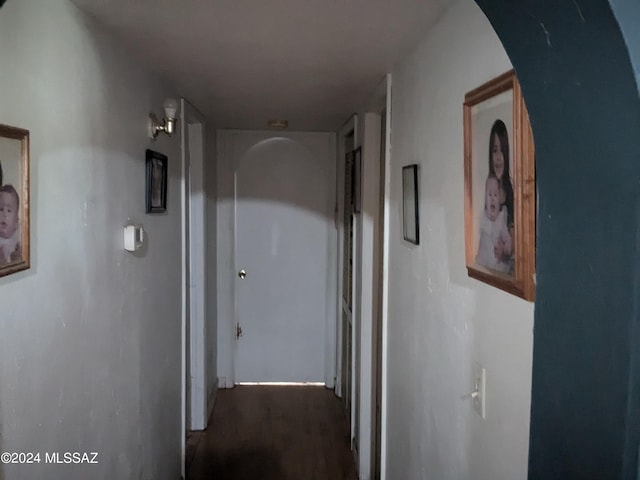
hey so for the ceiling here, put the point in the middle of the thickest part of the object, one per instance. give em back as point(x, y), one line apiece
point(242, 62)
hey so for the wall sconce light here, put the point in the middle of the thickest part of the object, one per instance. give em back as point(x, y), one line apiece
point(168, 124)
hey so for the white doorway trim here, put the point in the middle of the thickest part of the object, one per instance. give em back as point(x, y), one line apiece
point(193, 151)
point(194, 346)
point(385, 282)
point(367, 294)
point(351, 125)
point(370, 266)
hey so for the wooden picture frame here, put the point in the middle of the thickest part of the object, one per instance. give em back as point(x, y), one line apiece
point(357, 180)
point(14, 200)
point(500, 190)
point(410, 205)
point(156, 184)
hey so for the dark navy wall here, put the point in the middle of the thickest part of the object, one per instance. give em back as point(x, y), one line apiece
point(627, 13)
point(580, 89)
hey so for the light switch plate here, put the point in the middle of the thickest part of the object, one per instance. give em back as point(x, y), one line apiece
point(480, 386)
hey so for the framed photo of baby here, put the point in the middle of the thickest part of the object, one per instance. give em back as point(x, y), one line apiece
point(500, 192)
point(14, 200)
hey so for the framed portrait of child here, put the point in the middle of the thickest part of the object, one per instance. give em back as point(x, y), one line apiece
point(14, 200)
point(499, 179)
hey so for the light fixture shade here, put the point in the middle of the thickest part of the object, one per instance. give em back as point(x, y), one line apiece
point(170, 106)
point(278, 124)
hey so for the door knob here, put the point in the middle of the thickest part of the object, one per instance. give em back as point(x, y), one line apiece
point(242, 273)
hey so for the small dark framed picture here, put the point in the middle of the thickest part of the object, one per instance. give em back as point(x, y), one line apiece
point(156, 191)
point(357, 180)
point(410, 213)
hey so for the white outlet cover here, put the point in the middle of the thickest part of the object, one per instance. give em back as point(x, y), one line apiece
point(480, 386)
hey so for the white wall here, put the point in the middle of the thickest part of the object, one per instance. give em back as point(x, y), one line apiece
point(90, 344)
point(225, 267)
point(212, 280)
point(440, 321)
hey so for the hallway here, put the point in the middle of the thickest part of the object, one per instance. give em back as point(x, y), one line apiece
point(120, 352)
point(274, 433)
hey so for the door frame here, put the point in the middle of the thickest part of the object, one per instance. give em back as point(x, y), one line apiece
point(366, 300)
point(225, 248)
point(366, 309)
point(380, 359)
point(374, 274)
point(193, 233)
point(349, 127)
point(384, 308)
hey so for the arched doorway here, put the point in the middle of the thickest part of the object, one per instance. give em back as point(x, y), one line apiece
point(579, 85)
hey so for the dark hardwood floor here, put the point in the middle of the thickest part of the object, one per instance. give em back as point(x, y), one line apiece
point(273, 433)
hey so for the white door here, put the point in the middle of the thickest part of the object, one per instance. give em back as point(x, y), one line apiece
point(284, 237)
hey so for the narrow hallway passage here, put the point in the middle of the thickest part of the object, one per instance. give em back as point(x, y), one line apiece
point(274, 433)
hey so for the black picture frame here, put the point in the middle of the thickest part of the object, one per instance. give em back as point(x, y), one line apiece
point(156, 184)
point(410, 204)
point(357, 180)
